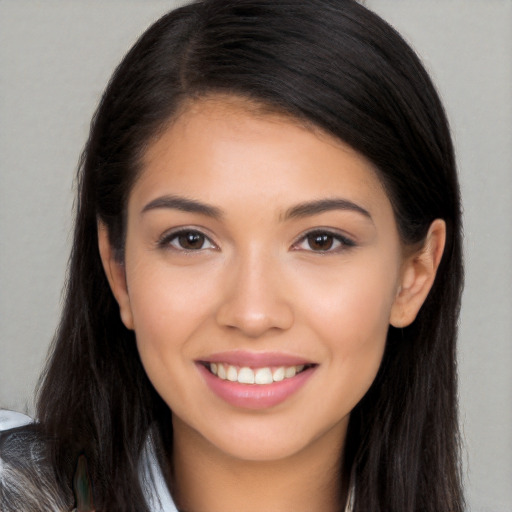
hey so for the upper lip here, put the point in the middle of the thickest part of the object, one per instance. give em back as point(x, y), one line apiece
point(256, 359)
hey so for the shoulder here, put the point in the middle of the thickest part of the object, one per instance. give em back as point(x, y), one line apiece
point(27, 481)
point(11, 419)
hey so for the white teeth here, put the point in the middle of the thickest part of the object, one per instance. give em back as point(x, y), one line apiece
point(263, 376)
point(246, 376)
point(232, 374)
point(221, 372)
point(290, 372)
point(278, 374)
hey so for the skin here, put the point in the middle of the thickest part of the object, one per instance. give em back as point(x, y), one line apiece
point(256, 282)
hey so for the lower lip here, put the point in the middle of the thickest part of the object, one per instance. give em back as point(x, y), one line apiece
point(255, 396)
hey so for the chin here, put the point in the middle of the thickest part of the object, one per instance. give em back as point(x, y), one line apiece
point(263, 451)
point(267, 439)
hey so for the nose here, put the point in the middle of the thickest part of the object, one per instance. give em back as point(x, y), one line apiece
point(255, 299)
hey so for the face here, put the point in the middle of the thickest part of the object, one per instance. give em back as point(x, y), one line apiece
point(262, 265)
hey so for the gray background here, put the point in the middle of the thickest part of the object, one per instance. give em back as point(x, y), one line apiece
point(55, 59)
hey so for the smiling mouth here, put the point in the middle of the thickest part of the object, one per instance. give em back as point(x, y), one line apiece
point(256, 376)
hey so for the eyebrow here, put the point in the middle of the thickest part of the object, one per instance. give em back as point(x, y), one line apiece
point(298, 211)
point(183, 204)
point(324, 205)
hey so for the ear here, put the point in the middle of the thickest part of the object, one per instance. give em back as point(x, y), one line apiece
point(417, 276)
point(116, 275)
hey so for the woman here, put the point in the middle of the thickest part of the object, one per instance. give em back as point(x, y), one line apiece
point(265, 278)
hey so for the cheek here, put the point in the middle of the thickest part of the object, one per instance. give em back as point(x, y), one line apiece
point(350, 314)
point(168, 303)
point(354, 300)
point(169, 306)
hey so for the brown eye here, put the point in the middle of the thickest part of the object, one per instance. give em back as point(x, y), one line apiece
point(320, 241)
point(187, 240)
point(191, 240)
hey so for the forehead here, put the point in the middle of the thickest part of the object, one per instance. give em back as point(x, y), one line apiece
point(221, 148)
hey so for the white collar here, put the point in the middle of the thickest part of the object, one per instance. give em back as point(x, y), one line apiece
point(153, 483)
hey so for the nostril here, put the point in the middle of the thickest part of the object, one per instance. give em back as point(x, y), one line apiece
point(254, 323)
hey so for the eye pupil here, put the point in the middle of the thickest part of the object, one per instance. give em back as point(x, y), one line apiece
point(191, 240)
point(320, 241)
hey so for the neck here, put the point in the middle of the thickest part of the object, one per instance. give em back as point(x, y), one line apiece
point(208, 480)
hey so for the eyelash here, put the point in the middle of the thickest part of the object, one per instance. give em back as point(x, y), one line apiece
point(166, 240)
point(343, 242)
point(340, 242)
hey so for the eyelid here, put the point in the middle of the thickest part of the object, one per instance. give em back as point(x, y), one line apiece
point(165, 239)
point(345, 241)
